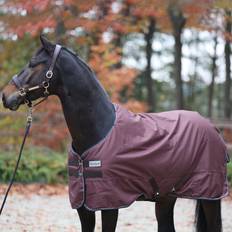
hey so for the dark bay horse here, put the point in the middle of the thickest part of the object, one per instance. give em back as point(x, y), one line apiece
point(90, 115)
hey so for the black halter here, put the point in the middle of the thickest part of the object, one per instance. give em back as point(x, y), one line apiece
point(44, 85)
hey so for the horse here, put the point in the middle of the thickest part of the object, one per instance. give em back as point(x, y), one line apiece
point(91, 116)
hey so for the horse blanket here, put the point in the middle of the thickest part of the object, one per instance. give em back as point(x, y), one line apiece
point(148, 155)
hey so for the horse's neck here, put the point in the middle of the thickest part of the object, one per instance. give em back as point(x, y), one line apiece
point(88, 112)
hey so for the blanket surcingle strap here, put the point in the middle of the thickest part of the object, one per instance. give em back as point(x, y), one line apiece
point(144, 156)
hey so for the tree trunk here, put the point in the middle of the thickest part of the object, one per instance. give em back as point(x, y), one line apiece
point(213, 73)
point(148, 71)
point(59, 31)
point(60, 27)
point(194, 77)
point(227, 100)
point(178, 21)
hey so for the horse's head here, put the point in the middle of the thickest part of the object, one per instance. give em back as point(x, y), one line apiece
point(35, 80)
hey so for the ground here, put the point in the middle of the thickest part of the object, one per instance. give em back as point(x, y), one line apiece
point(39, 208)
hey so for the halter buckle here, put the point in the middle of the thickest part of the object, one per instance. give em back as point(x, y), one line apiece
point(22, 92)
point(49, 74)
point(46, 85)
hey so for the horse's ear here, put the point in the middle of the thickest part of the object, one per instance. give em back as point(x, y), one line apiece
point(48, 46)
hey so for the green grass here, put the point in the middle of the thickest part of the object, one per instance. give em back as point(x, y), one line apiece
point(37, 165)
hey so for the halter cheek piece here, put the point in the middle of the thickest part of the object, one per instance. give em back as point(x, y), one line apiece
point(44, 85)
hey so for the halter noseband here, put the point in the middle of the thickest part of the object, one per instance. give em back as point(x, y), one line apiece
point(45, 84)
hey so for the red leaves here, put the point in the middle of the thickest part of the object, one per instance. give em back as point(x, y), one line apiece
point(36, 5)
point(106, 62)
point(34, 29)
point(29, 6)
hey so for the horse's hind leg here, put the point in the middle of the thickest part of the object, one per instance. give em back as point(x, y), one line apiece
point(164, 214)
point(208, 216)
point(109, 220)
point(87, 219)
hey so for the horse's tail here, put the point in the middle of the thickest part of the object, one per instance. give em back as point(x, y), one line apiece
point(200, 218)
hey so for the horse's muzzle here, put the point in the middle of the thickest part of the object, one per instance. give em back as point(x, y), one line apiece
point(12, 102)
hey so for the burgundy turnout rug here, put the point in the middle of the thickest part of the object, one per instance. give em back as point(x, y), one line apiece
point(149, 155)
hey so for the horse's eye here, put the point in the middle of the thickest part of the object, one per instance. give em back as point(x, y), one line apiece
point(32, 63)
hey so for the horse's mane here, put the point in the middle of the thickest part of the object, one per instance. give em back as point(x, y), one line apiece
point(80, 61)
point(87, 69)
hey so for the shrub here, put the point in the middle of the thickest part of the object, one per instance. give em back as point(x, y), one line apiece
point(229, 173)
point(36, 165)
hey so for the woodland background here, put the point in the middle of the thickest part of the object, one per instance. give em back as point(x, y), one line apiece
point(150, 55)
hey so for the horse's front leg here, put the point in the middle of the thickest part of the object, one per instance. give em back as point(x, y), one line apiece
point(109, 220)
point(87, 219)
point(164, 214)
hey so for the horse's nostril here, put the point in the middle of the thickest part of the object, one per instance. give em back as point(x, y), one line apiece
point(3, 98)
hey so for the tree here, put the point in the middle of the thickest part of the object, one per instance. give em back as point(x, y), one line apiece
point(213, 76)
point(225, 8)
point(148, 36)
point(178, 22)
point(228, 39)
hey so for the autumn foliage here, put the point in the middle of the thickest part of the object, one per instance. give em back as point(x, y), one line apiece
point(97, 31)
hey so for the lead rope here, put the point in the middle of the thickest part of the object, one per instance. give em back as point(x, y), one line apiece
point(27, 129)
